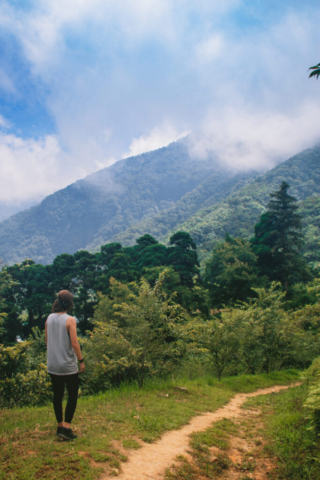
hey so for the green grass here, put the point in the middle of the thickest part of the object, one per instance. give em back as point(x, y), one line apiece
point(288, 433)
point(109, 424)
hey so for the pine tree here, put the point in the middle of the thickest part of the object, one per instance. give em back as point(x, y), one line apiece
point(278, 240)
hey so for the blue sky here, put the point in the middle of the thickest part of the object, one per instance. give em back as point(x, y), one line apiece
point(84, 83)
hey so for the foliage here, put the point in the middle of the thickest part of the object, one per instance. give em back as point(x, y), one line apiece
point(23, 373)
point(316, 71)
point(240, 210)
point(259, 336)
point(289, 439)
point(278, 240)
point(312, 401)
point(28, 298)
point(133, 336)
point(5, 283)
point(271, 339)
point(231, 272)
point(183, 257)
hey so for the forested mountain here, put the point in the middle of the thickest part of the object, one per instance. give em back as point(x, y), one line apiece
point(159, 193)
point(92, 211)
point(240, 207)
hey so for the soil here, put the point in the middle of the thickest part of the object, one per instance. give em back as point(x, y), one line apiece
point(152, 460)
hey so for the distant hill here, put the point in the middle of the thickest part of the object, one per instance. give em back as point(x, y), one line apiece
point(235, 206)
point(159, 193)
point(92, 211)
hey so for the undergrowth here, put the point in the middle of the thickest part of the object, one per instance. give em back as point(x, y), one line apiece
point(289, 436)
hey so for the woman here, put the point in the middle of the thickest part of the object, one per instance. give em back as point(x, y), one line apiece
point(63, 351)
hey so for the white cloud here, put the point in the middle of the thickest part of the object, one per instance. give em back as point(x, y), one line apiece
point(210, 49)
point(110, 72)
point(31, 169)
point(4, 123)
point(42, 30)
point(256, 139)
point(28, 168)
point(158, 137)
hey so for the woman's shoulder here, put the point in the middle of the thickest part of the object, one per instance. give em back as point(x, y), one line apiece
point(71, 319)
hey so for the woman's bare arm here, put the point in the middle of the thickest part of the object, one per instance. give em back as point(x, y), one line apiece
point(72, 329)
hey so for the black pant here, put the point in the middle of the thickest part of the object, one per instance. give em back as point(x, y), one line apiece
point(58, 382)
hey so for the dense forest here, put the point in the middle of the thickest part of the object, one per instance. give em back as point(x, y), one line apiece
point(147, 310)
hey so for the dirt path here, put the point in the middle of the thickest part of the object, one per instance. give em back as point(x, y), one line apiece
point(151, 461)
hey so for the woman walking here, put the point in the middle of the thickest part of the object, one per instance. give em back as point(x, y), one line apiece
point(63, 351)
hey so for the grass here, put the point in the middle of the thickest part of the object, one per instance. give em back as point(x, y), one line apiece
point(288, 434)
point(203, 466)
point(110, 424)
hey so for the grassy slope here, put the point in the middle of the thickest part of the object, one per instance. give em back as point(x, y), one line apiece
point(289, 437)
point(111, 423)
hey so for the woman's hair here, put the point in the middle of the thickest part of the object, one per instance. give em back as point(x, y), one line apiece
point(64, 302)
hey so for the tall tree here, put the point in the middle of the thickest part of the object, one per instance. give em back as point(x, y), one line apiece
point(183, 257)
point(278, 240)
point(231, 272)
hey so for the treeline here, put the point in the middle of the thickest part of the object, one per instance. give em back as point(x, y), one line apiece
point(149, 309)
point(29, 289)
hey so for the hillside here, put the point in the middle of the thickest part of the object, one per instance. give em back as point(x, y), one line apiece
point(240, 207)
point(158, 193)
point(90, 212)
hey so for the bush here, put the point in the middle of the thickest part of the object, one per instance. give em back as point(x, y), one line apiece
point(21, 385)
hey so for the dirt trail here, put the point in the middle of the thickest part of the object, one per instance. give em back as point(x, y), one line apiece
point(151, 461)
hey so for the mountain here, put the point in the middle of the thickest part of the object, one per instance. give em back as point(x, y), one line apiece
point(239, 207)
point(92, 211)
point(159, 193)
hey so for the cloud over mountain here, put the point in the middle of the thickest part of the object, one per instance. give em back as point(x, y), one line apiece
point(85, 83)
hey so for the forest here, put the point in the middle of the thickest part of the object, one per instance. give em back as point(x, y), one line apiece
point(150, 309)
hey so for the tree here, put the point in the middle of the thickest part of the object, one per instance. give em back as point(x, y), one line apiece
point(29, 299)
point(278, 240)
point(231, 272)
point(215, 340)
point(316, 71)
point(134, 332)
point(182, 256)
point(269, 335)
point(6, 283)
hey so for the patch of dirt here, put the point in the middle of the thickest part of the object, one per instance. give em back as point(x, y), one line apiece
point(246, 451)
point(151, 461)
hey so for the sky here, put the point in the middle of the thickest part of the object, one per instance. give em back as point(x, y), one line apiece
point(85, 83)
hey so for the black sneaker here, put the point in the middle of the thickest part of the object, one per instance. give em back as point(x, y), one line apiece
point(58, 431)
point(66, 434)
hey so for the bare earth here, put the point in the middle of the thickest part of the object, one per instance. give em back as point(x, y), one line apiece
point(151, 461)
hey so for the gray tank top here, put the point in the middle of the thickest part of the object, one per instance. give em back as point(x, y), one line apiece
point(61, 357)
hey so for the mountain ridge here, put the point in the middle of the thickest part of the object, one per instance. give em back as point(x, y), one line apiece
point(157, 193)
point(94, 209)
point(240, 210)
